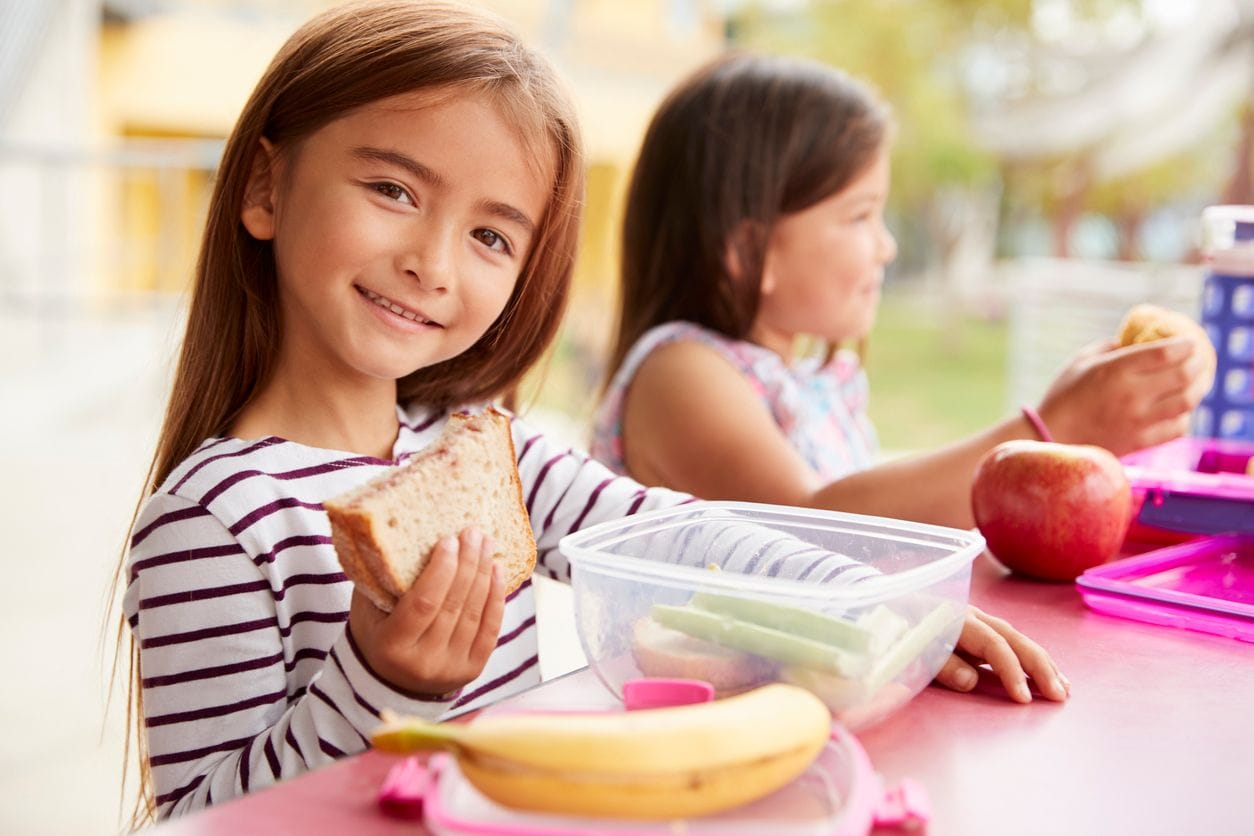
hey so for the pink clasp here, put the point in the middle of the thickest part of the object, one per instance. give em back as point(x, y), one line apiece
point(905, 805)
point(656, 692)
point(404, 788)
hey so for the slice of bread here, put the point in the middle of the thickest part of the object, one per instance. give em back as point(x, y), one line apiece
point(662, 652)
point(384, 530)
point(1145, 323)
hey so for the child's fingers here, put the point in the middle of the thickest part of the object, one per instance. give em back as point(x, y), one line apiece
point(1152, 357)
point(467, 626)
point(440, 631)
point(1169, 379)
point(419, 607)
point(979, 639)
point(1030, 658)
point(958, 674)
point(490, 623)
point(1097, 347)
point(1162, 431)
point(1171, 405)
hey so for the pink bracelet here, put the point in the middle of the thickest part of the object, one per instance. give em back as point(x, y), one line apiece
point(1034, 418)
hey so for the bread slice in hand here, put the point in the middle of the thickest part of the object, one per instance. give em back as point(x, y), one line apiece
point(384, 530)
point(1145, 323)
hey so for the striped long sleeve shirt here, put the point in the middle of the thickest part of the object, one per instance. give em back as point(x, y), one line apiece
point(240, 608)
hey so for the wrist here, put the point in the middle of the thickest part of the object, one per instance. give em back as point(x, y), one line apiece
point(1036, 423)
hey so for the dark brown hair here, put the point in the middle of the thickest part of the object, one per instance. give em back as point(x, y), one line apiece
point(744, 141)
point(341, 60)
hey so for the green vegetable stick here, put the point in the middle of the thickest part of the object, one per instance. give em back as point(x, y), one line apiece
point(796, 621)
point(754, 638)
point(900, 655)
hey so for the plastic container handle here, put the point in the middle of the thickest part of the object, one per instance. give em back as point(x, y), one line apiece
point(906, 806)
point(659, 692)
point(404, 789)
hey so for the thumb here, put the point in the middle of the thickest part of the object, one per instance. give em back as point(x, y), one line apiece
point(1099, 347)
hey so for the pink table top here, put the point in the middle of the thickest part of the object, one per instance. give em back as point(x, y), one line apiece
point(1158, 737)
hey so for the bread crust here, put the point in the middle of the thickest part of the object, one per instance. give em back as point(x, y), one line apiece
point(520, 569)
point(350, 536)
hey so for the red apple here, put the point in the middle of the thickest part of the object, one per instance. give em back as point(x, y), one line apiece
point(1051, 510)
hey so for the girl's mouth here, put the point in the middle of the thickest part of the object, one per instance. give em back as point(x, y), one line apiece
point(388, 305)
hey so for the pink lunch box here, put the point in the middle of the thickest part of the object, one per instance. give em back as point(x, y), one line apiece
point(1196, 490)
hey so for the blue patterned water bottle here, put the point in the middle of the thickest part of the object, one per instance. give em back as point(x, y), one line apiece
point(1227, 411)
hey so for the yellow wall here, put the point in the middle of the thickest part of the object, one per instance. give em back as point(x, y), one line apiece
point(186, 74)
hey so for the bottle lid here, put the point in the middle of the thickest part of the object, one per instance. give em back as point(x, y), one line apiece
point(1228, 238)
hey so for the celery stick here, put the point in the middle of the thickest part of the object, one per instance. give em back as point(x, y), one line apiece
point(909, 646)
point(796, 621)
point(754, 638)
point(837, 692)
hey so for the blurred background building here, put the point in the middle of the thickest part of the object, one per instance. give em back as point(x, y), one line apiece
point(1052, 159)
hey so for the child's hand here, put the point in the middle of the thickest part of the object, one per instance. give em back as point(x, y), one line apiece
point(1012, 656)
point(442, 631)
point(1125, 399)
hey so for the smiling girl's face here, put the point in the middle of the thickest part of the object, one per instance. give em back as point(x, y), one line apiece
point(399, 232)
point(824, 265)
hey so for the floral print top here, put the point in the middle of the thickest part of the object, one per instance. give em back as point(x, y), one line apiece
point(820, 407)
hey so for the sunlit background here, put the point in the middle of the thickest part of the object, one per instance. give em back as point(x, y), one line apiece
point(1051, 163)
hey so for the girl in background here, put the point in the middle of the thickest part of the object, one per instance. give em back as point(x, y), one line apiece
point(755, 217)
point(390, 239)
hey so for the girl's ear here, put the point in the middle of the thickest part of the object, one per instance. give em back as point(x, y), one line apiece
point(767, 286)
point(733, 262)
point(257, 213)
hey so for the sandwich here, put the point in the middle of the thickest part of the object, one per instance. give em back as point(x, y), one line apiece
point(384, 530)
point(1146, 323)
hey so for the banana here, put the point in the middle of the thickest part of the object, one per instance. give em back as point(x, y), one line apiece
point(660, 763)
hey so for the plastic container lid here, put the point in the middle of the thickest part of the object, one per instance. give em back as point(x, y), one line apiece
point(1205, 585)
point(937, 551)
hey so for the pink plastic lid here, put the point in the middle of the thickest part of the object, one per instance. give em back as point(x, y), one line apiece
point(1198, 485)
point(1203, 466)
point(1205, 585)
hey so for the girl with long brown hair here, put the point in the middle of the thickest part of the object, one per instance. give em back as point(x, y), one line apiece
point(754, 219)
point(390, 239)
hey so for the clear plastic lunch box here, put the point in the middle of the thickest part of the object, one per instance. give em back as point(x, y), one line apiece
point(646, 607)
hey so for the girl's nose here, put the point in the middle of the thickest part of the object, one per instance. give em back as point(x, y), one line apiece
point(888, 245)
point(428, 259)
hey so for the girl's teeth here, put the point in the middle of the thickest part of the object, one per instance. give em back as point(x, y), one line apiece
point(384, 302)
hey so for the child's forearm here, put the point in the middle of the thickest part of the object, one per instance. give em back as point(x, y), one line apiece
point(933, 487)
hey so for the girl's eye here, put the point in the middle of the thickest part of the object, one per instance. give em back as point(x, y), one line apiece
point(492, 240)
point(393, 192)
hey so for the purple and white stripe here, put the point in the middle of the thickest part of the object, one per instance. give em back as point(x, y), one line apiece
point(240, 606)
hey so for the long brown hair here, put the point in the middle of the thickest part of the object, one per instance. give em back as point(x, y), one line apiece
point(338, 61)
point(744, 141)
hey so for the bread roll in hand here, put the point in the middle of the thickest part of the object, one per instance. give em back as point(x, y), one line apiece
point(384, 530)
point(1146, 323)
